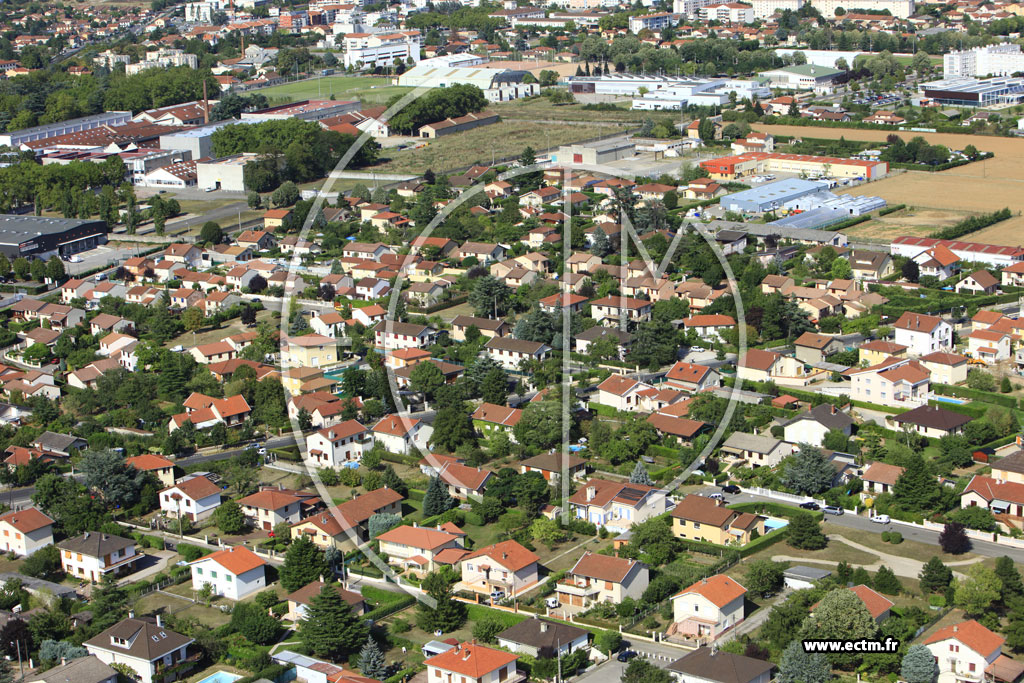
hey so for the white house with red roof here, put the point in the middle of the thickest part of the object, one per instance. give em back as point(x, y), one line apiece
point(23, 532)
point(617, 505)
point(989, 345)
point(923, 334)
point(161, 467)
point(233, 573)
point(400, 434)
point(602, 578)
point(709, 327)
point(205, 411)
point(1005, 499)
point(708, 608)
point(896, 382)
point(506, 566)
point(194, 497)
point(336, 445)
point(970, 652)
point(611, 310)
point(692, 377)
point(472, 663)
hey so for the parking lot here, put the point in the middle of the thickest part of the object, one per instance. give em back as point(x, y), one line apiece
point(102, 256)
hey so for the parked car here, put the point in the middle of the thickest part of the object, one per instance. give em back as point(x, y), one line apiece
point(881, 519)
point(627, 655)
point(833, 510)
point(730, 488)
point(810, 505)
point(716, 496)
point(552, 602)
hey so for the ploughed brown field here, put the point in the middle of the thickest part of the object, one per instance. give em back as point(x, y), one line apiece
point(980, 187)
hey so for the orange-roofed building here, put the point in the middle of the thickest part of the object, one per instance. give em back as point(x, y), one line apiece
point(345, 524)
point(708, 608)
point(506, 567)
point(601, 578)
point(691, 377)
point(472, 663)
point(416, 547)
point(234, 572)
point(969, 651)
point(194, 497)
point(23, 532)
point(161, 467)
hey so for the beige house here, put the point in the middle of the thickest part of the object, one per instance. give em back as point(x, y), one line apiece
point(416, 548)
point(507, 567)
point(311, 351)
point(268, 508)
point(879, 478)
point(602, 578)
point(161, 468)
point(616, 505)
point(894, 382)
point(758, 365)
point(340, 526)
point(698, 518)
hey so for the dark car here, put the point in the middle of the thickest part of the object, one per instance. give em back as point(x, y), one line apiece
point(730, 488)
point(810, 505)
point(626, 655)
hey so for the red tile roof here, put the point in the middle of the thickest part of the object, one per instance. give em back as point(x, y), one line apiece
point(471, 660)
point(970, 633)
point(27, 520)
point(603, 567)
point(719, 589)
point(509, 554)
point(237, 560)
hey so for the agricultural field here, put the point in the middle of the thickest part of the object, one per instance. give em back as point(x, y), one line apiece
point(541, 108)
point(369, 91)
point(980, 187)
point(914, 221)
point(503, 139)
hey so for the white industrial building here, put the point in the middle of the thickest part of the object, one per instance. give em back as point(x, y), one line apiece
point(226, 173)
point(991, 60)
point(381, 49)
point(820, 79)
point(498, 85)
point(668, 92)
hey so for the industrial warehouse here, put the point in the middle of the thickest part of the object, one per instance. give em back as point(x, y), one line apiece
point(43, 237)
point(754, 163)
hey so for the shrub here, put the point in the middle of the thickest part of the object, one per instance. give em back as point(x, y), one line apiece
point(191, 553)
point(895, 537)
point(885, 537)
point(937, 600)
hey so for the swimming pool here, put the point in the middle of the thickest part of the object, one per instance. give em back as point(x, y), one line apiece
point(947, 399)
point(221, 677)
point(771, 524)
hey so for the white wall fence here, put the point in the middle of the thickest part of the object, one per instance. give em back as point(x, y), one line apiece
point(779, 495)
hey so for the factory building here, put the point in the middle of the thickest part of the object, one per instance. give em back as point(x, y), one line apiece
point(990, 254)
point(307, 110)
point(820, 79)
point(226, 173)
point(498, 85)
point(50, 130)
point(668, 92)
point(45, 237)
point(593, 154)
point(771, 196)
point(754, 163)
point(198, 140)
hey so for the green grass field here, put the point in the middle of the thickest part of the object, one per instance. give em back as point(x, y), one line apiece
point(370, 91)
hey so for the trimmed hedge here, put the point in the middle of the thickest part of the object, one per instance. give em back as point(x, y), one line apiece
point(892, 209)
point(969, 409)
point(976, 395)
point(777, 509)
point(388, 609)
point(769, 539)
point(271, 673)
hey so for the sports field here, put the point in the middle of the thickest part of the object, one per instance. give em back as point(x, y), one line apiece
point(370, 91)
point(980, 187)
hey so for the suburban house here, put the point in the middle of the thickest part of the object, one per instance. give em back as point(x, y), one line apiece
point(612, 310)
point(336, 526)
point(298, 602)
point(195, 497)
point(978, 282)
point(91, 555)
point(602, 578)
point(970, 652)
point(876, 604)
point(757, 450)
point(812, 426)
point(487, 327)
point(268, 508)
point(509, 353)
point(161, 467)
point(698, 518)
point(758, 365)
point(543, 638)
point(878, 350)
point(472, 663)
point(490, 418)
point(713, 665)
point(945, 368)
point(551, 465)
point(416, 547)
point(506, 566)
point(391, 334)
point(334, 446)
point(233, 573)
point(81, 670)
point(310, 351)
point(615, 505)
point(814, 348)
point(400, 434)
point(1005, 499)
point(894, 382)
point(879, 478)
point(25, 531)
point(932, 421)
point(709, 327)
point(708, 608)
point(146, 646)
point(989, 345)
point(462, 480)
point(692, 377)
point(923, 334)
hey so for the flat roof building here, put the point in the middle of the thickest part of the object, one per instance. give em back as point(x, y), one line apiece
point(307, 110)
point(43, 237)
point(226, 173)
point(973, 92)
point(804, 77)
point(771, 196)
point(198, 140)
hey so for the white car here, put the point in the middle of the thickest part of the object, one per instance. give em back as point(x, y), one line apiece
point(881, 519)
point(551, 602)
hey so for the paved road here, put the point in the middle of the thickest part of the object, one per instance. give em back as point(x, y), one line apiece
point(852, 521)
point(612, 671)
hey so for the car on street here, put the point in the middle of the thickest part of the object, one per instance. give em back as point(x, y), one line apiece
point(881, 519)
point(810, 505)
point(626, 655)
point(833, 510)
point(716, 496)
point(730, 488)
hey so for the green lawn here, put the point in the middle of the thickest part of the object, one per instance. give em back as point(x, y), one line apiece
point(366, 90)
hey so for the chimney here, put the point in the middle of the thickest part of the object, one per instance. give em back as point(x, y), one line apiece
point(131, 614)
point(591, 492)
point(833, 410)
point(159, 622)
point(543, 627)
point(956, 627)
point(504, 556)
point(206, 105)
point(704, 580)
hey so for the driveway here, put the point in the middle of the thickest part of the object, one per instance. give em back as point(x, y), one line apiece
point(152, 563)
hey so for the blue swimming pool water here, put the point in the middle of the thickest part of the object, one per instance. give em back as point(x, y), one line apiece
point(221, 677)
point(947, 399)
point(771, 524)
